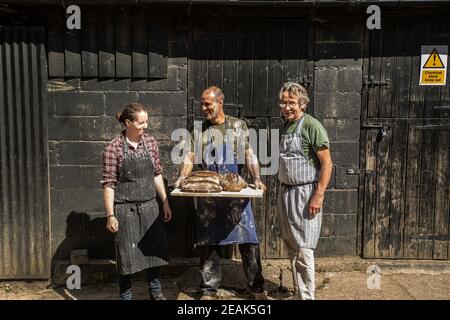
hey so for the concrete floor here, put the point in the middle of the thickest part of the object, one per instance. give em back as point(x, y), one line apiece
point(336, 279)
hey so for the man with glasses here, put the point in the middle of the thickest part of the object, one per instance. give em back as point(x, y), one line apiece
point(224, 221)
point(304, 172)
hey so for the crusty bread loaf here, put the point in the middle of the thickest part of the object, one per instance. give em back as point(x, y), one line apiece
point(233, 182)
point(201, 181)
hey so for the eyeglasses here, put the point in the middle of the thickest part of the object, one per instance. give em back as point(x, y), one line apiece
point(290, 105)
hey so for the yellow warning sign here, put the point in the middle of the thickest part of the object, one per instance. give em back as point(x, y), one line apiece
point(433, 65)
point(434, 61)
point(433, 76)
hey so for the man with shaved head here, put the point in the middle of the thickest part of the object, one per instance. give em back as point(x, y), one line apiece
point(222, 222)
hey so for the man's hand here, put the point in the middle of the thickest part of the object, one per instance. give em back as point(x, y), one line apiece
point(260, 185)
point(315, 204)
point(167, 211)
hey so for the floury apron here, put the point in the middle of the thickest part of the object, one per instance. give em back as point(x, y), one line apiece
point(223, 221)
point(298, 179)
point(141, 240)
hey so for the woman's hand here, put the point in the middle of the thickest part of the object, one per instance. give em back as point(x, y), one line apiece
point(167, 211)
point(112, 224)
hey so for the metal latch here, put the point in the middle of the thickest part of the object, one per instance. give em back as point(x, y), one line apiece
point(306, 82)
point(383, 129)
point(441, 108)
point(444, 127)
point(371, 83)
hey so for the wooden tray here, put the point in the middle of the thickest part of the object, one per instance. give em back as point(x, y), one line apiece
point(244, 193)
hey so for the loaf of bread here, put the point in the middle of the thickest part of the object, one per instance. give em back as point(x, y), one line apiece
point(233, 182)
point(210, 181)
point(202, 181)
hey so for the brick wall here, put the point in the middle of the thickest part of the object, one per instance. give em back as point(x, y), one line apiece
point(337, 104)
point(81, 122)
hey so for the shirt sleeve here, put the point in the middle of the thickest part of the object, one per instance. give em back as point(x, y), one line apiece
point(318, 136)
point(242, 134)
point(154, 153)
point(109, 167)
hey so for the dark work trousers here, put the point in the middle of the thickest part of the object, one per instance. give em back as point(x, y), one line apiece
point(154, 285)
point(211, 269)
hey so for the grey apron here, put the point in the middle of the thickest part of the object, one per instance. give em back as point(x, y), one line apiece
point(298, 179)
point(141, 241)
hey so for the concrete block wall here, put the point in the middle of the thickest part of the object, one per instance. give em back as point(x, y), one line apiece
point(81, 123)
point(337, 104)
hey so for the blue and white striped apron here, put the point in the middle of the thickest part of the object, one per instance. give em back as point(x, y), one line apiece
point(298, 179)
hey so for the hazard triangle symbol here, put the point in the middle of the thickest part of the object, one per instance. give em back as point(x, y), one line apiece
point(433, 61)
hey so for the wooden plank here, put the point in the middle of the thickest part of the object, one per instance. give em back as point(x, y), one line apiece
point(291, 46)
point(413, 159)
point(106, 53)
point(139, 43)
point(442, 199)
point(370, 196)
point(362, 238)
point(427, 192)
point(375, 71)
point(198, 66)
point(244, 193)
point(397, 186)
point(309, 38)
point(122, 34)
point(275, 64)
point(389, 65)
point(416, 94)
point(403, 67)
point(215, 52)
point(55, 42)
point(19, 140)
point(260, 68)
point(305, 55)
point(433, 93)
point(382, 235)
point(158, 45)
point(245, 68)
point(89, 45)
point(230, 60)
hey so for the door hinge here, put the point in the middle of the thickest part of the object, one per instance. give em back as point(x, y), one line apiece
point(371, 83)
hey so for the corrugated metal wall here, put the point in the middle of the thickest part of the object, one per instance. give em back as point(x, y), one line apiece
point(24, 208)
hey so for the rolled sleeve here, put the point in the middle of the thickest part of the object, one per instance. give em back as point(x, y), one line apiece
point(154, 153)
point(109, 167)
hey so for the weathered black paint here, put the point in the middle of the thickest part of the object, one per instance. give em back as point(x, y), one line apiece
point(24, 211)
point(249, 53)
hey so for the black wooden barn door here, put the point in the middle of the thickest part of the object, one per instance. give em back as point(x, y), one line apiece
point(405, 154)
point(24, 208)
point(250, 58)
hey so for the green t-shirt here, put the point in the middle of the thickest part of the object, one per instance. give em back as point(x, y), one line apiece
point(314, 137)
point(237, 128)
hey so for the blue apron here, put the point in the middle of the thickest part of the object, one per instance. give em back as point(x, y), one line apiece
point(223, 221)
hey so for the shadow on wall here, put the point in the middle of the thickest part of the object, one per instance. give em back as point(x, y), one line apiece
point(88, 231)
point(84, 231)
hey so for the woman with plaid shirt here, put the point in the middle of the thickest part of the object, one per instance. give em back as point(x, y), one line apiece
point(132, 176)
